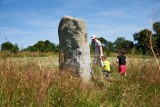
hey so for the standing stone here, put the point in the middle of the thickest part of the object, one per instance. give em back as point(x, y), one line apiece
point(74, 47)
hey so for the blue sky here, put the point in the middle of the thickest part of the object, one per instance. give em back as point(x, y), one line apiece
point(25, 22)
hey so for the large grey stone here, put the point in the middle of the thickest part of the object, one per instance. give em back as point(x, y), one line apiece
point(74, 47)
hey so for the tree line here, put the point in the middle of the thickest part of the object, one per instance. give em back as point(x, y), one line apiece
point(140, 44)
point(41, 46)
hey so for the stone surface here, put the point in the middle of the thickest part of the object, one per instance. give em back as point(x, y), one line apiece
point(74, 46)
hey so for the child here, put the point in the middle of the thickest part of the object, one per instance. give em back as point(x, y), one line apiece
point(106, 66)
point(121, 59)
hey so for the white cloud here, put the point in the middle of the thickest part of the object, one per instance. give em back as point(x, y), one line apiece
point(12, 31)
point(27, 37)
point(111, 32)
point(108, 19)
point(38, 22)
point(114, 13)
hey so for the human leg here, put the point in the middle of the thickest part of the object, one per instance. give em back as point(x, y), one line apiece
point(108, 75)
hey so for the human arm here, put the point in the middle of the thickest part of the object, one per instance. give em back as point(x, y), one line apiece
point(103, 67)
point(100, 50)
point(117, 60)
point(126, 60)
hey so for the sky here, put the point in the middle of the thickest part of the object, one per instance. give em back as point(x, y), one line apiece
point(25, 22)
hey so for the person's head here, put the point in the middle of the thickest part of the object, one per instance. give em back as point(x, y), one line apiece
point(93, 38)
point(104, 58)
point(122, 52)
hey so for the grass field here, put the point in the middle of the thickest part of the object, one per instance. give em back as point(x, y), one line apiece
point(37, 82)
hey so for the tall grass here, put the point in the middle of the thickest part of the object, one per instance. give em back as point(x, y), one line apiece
point(6, 54)
point(33, 84)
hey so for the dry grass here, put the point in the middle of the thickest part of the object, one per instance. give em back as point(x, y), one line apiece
point(36, 81)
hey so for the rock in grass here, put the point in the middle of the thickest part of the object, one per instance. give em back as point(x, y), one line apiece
point(74, 46)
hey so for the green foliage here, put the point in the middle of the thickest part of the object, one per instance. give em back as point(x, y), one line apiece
point(43, 46)
point(107, 46)
point(156, 28)
point(122, 43)
point(15, 49)
point(8, 46)
point(91, 47)
point(142, 40)
point(141, 44)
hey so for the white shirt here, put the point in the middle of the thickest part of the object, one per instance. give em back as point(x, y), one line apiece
point(97, 47)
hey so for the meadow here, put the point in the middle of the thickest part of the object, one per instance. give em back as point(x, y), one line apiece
point(35, 81)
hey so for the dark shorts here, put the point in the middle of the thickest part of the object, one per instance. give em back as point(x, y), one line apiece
point(106, 73)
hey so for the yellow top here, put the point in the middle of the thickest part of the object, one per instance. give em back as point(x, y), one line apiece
point(106, 65)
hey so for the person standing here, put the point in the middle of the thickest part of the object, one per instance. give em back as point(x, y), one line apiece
point(122, 60)
point(98, 52)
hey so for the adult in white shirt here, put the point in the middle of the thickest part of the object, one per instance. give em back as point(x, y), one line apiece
point(98, 52)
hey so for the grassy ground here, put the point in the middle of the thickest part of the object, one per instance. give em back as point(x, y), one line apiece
point(36, 82)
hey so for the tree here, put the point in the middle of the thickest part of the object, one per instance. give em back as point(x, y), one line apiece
point(155, 26)
point(122, 43)
point(57, 48)
point(145, 38)
point(107, 45)
point(142, 40)
point(43, 46)
point(39, 46)
point(8, 46)
point(156, 29)
point(15, 49)
point(152, 49)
